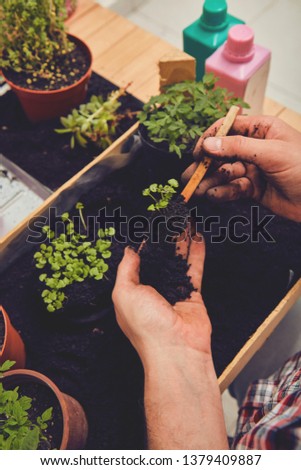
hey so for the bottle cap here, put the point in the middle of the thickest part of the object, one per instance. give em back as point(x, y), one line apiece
point(239, 46)
point(214, 15)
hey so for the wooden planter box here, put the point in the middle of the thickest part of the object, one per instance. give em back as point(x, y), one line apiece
point(67, 195)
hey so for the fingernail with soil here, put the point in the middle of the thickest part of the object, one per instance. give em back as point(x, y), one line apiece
point(213, 144)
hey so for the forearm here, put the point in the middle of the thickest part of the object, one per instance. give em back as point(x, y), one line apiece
point(183, 404)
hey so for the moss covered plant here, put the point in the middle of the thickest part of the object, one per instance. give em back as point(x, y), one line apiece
point(180, 115)
point(18, 430)
point(33, 39)
point(94, 122)
point(71, 258)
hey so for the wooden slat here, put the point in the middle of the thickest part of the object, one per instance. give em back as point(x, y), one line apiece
point(107, 35)
point(136, 44)
point(94, 19)
point(259, 337)
point(292, 118)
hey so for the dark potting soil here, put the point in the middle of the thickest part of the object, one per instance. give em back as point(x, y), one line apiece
point(2, 330)
point(95, 363)
point(43, 153)
point(42, 399)
point(67, 70)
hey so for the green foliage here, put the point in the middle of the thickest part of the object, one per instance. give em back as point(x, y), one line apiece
point(94, 121)
point(71, 258)
point(32, 34)
point(17, 430)
point(164, 193)
point(181, 114)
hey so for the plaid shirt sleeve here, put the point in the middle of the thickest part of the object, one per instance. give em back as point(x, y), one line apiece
point(270, 417)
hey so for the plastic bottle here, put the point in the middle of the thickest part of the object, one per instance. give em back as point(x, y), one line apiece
point(210, 31)
point(242, 67)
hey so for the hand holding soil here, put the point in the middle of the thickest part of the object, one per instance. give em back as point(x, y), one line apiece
point(267, 164)
point(150, 322)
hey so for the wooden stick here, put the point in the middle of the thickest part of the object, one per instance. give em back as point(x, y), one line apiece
point(206, 162)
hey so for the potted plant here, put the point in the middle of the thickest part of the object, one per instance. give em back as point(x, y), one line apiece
point(95, 122)
point(11, 344)
point(172, 122)
point(47, 68)
point(72, 262)
point(35, 414)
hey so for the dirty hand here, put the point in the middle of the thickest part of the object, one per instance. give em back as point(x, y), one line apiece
point(182, 400)
point(267, 164)
point(151, 324)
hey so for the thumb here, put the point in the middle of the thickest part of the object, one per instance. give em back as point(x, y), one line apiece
point(263, 153)
point(128, 269)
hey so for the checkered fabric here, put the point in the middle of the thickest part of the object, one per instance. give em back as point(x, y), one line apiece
point(270, 417)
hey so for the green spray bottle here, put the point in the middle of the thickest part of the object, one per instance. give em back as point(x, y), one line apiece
point(209, 32)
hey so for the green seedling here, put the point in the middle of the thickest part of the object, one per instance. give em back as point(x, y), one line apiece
point(17, 430)
point(161, 194)
point(70, 258)
point(182, 114)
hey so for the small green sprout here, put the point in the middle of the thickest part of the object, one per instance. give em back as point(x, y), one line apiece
point(164, 194)
point(181, 114)
point(94, 121)
point(17, 430)
point(71, 258)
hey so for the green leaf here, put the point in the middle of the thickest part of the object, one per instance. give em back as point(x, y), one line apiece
point(7, 365)
point(47, 415)
point(31, 440)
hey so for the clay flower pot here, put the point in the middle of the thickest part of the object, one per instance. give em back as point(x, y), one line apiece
point(13, 347)
point(75, 427)
point(41, 105)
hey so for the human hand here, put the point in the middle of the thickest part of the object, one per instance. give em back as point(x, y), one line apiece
point(267, 164)
point(153, 326)
point(182, 401)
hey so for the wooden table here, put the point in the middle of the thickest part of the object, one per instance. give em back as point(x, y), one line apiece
point(123, 53)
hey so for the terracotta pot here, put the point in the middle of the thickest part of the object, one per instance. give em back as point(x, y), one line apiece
point(41, 105)
point(75, 426)
point(13, 347)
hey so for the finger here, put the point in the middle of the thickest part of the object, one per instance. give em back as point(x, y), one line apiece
point(196, 259)
point(257, 127)
point(223, 175)
point(128, 269)
point(266, 154)
point(189, 172)
point(237, 189)
point(210, 132)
